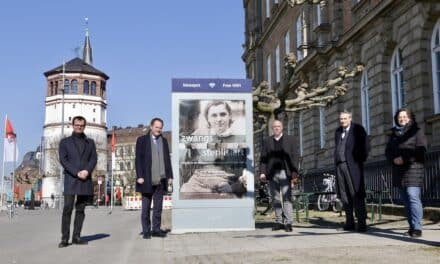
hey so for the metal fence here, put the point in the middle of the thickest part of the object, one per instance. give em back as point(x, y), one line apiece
point(378, 178)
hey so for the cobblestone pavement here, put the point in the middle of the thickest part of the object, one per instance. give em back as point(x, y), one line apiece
point(32, 237)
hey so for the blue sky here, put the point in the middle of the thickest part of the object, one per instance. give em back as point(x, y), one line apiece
point(140, 44)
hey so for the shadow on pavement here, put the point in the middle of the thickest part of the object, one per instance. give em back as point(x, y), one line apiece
point(95, 237)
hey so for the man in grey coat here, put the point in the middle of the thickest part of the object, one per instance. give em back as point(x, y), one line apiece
point(78, 158)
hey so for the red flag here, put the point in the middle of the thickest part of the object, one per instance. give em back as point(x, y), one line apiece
point(113, 141)
point(10, 147)
point(113, 150)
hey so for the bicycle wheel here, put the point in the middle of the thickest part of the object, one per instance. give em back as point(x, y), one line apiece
point(337, 205)
point(323, 202)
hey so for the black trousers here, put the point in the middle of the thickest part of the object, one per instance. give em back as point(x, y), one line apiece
point(157, 198)
point(80, 206)
point(349, 197)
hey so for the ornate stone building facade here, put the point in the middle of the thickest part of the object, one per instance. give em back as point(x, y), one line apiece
point(397, 41)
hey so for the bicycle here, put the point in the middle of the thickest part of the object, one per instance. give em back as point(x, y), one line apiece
point(328, 196)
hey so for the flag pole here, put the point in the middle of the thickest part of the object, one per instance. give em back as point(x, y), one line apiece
point(3, 172)
point(13, 179)
point(113, 142)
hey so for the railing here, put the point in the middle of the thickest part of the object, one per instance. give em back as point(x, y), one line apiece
point(378, 178)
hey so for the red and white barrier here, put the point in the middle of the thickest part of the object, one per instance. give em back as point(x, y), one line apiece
point(167, 202)
point(135, 202)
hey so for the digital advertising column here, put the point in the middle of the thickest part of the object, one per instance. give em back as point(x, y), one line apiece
point(212, 157)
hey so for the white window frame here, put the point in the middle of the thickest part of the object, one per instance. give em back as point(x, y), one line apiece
point(318, 19)
point(277, 64)
point(269, 71)
point(322, 127)
point(267, 8)
point(397, 82)
point(365, 102)
point(287, 42)
point(301, 36)
point(435, 53)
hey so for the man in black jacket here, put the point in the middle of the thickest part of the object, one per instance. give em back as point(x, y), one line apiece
point(78, 158)
point(154, 173)
point(351, 151)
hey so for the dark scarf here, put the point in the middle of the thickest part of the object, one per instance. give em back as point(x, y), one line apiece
point(399, 135)
point(80, 141)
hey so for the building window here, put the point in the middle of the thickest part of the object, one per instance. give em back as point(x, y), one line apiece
point(73, 106)
point(365, 102)
point(74, 87)
point(301, 37)
point(128, 165)
point(322, 127)
point(56, 87)
point(287, 42)
point(102, 88)
point(318, 20)
point(86, 89)
point(66, 86)
point(277, 64)
point(301, 138)
point(435, 57)
point(51, 88)
point(93, 88)
point(269, 71)
point(397, 83)
point(267, 8)
point(121, 166)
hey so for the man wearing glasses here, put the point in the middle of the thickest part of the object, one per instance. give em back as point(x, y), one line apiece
point(78, 158)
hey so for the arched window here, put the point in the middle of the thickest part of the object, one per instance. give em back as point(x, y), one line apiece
point(435, 58)
point(86, 89)
point(287, 42)
point(277, 64)
point(365, 102)
point(301, 37)
point(66, 86)
point(51, 88)
point(93, 88)
point(397, 82)
point(74, 87)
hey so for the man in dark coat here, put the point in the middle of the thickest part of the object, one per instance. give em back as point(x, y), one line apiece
point(351, 151)
point(154, 173)
point(78, 158)
point(277, 167)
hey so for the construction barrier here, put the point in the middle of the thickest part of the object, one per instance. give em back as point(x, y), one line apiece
point(132, 202)
point(135, 202)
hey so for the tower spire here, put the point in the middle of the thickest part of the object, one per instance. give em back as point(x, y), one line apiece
point(87, 50)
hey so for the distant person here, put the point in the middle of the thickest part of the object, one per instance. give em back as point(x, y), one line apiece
point(78, 158)
point(406, 151)
point(154, 174)
point(351, 151)
point(277, 167)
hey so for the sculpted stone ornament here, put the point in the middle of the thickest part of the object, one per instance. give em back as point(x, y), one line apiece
point(292, 3)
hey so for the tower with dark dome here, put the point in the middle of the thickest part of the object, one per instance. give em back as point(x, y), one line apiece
point(75, 88)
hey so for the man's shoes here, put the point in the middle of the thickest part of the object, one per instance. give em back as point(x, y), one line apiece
point(159, 233)
point(63, 244)
point(277, 227)
point(79, 241)
point(348, 227)
point(288, 228)
point(362, 228)
point(146, 236)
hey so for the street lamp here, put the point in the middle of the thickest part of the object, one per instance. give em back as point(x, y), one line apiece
point(61, 203)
